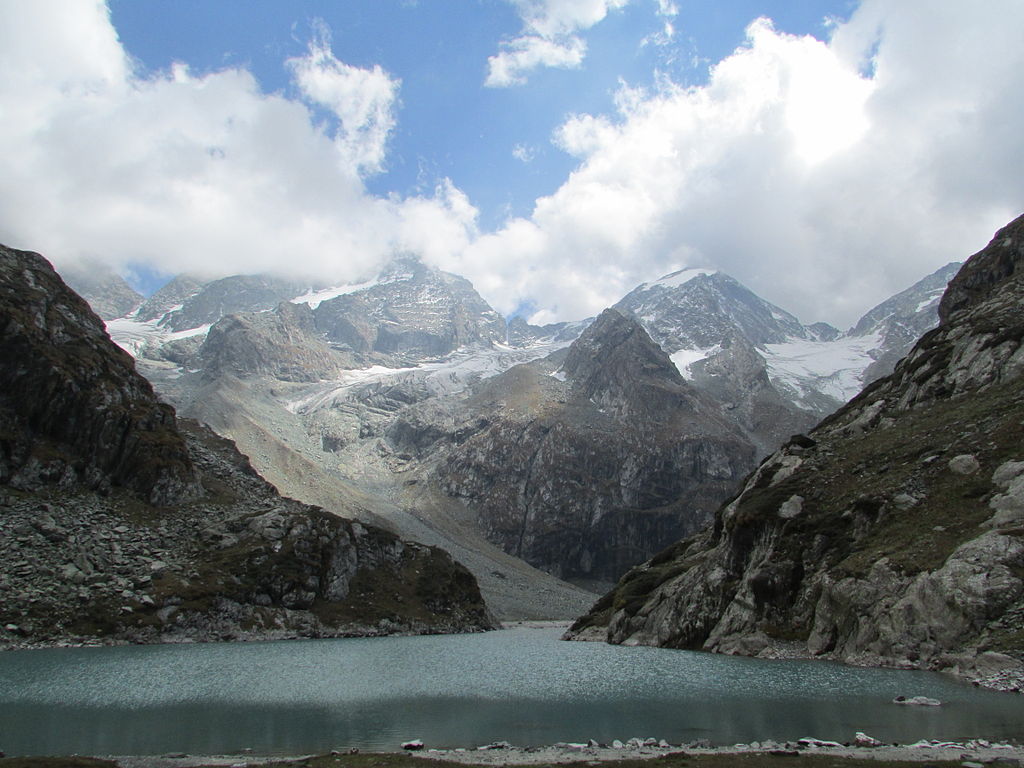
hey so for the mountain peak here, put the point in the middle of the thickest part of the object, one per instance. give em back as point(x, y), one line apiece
point(616, 364)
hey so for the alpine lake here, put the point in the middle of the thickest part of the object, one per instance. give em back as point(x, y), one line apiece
point(521, 685)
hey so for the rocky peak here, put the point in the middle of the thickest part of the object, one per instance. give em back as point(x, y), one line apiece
point(106, 291)
point(698, 308)
point(412, 311)
point(229, 295)
point(901, 320)
point(171, 296)
point(72, 407)
point(616, 365)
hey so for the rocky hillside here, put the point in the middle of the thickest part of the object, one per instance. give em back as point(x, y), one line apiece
point(586, 466)
point(73, 410)
point(118, 525)
point(893, 534)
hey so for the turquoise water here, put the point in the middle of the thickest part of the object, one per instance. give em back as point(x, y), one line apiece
point(521, 685)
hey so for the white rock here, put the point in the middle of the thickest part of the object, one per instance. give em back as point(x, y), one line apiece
point(791, 507)
point(861, 739)
point(618, 744)
point(964, 464)
point(414, 745)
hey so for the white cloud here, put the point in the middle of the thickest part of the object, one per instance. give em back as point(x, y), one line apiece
point(524, 153)
point(548, 38)
point(198, 172)
point(362, 99)
point(824, 175)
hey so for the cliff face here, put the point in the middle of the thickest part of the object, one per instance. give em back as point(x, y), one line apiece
point(72, 407)
point(893, 534)
point(86, 451)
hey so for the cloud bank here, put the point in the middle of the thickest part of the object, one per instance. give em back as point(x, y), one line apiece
point(199, 172)
point(824, 175)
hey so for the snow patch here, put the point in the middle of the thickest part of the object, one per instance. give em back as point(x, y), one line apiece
point(933, 298)
point(835, 368)
point(676, 279)
point(316, 297)
point(684, 358)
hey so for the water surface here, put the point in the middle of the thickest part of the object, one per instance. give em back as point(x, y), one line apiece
point(521, 685)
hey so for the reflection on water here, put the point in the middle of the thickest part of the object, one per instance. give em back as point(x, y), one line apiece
point(522, 685)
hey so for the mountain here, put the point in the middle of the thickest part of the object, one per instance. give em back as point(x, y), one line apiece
point(121, 523)
point(774, 375)
point(413, 312)
point(396, 397)
point(581, 462)
point(900, 321)
point(891, 534)
point(106, 291)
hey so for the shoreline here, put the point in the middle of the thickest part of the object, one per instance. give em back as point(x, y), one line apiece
point(978, 751)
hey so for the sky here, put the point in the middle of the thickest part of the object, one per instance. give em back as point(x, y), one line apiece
point(825, 153)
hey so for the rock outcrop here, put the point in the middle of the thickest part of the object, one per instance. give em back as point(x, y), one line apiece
point(115, 524)
point(892, 534)
point(282, 343)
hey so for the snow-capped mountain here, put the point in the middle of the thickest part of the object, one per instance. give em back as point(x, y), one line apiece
point(699, 315)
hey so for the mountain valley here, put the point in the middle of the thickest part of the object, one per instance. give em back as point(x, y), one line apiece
point(406, 401)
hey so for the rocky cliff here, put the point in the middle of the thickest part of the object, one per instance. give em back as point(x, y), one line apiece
point(73, 409)
point(893, 534)
point(115, 524)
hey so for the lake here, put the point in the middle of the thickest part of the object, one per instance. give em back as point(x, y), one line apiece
point(518, 685)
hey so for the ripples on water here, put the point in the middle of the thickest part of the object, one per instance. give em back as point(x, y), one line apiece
point(520, 685)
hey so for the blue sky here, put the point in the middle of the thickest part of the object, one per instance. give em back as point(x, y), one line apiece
point(449, 123)
point(555, 152)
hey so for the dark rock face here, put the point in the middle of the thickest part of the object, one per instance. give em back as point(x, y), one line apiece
point(585, 476)
point(892, 534)
point(107, 293)
point(86, 449)
point(72, 407)
point(414, 312)
point(282, 343)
